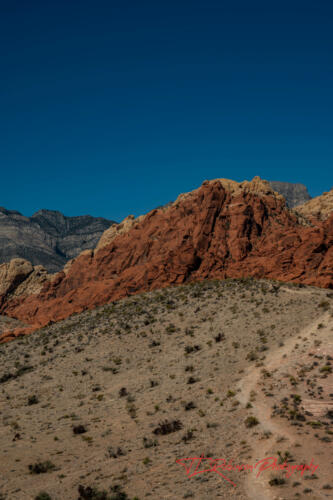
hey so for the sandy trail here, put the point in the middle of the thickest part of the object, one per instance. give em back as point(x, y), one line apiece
point(258, 488)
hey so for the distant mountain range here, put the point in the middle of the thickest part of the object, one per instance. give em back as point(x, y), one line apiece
point(48, 237)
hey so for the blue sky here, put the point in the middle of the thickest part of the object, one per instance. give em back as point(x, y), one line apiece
point(111, 108)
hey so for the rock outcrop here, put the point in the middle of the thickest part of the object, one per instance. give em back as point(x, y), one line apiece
point(219, 230)
point(320, 207)
point(19, 278)
point(294, 194)
point(116, 229)
point(48, 238)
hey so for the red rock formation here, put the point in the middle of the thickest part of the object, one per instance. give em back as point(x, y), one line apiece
point(217, 231)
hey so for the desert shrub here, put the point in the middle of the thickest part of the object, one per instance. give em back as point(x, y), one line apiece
point(188, 436)
point(149, 443)
point(170, 328)
point(326, 369)
point(251, 421)
point(32, 400)
point(79, 429)
point(23, 369)
point(252, 356)
point(90, 493)
point(114, 453)
point(131, 409)
point(43, 496)
point(5, 377)
point(192, 348)
point(41, 467)
point(277, 481)
point(189, 406)
point(167, 427)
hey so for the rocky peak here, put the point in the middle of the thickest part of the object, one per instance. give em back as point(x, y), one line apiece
point(256, 186)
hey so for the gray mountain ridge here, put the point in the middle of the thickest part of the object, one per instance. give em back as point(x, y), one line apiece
point(294, 194)
point(48, 237)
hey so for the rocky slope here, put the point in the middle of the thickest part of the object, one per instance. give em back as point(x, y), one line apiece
point(295, 194)
point(48, 238)
point(222, 229)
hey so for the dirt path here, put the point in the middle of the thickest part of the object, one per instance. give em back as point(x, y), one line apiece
point(258, 488)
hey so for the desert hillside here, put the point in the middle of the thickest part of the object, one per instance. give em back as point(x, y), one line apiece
point(101, 405)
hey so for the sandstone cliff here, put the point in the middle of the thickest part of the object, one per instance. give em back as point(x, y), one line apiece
point(219, 230)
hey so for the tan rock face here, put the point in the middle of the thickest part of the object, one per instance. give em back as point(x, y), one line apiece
point(19, 278)
point(212, 232)
point(13, 273)
point(320, 207)
point(116, 229)
point(257, 185)
point(33, 283)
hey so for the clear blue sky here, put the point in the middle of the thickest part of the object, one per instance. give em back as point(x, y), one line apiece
point(115, 107)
